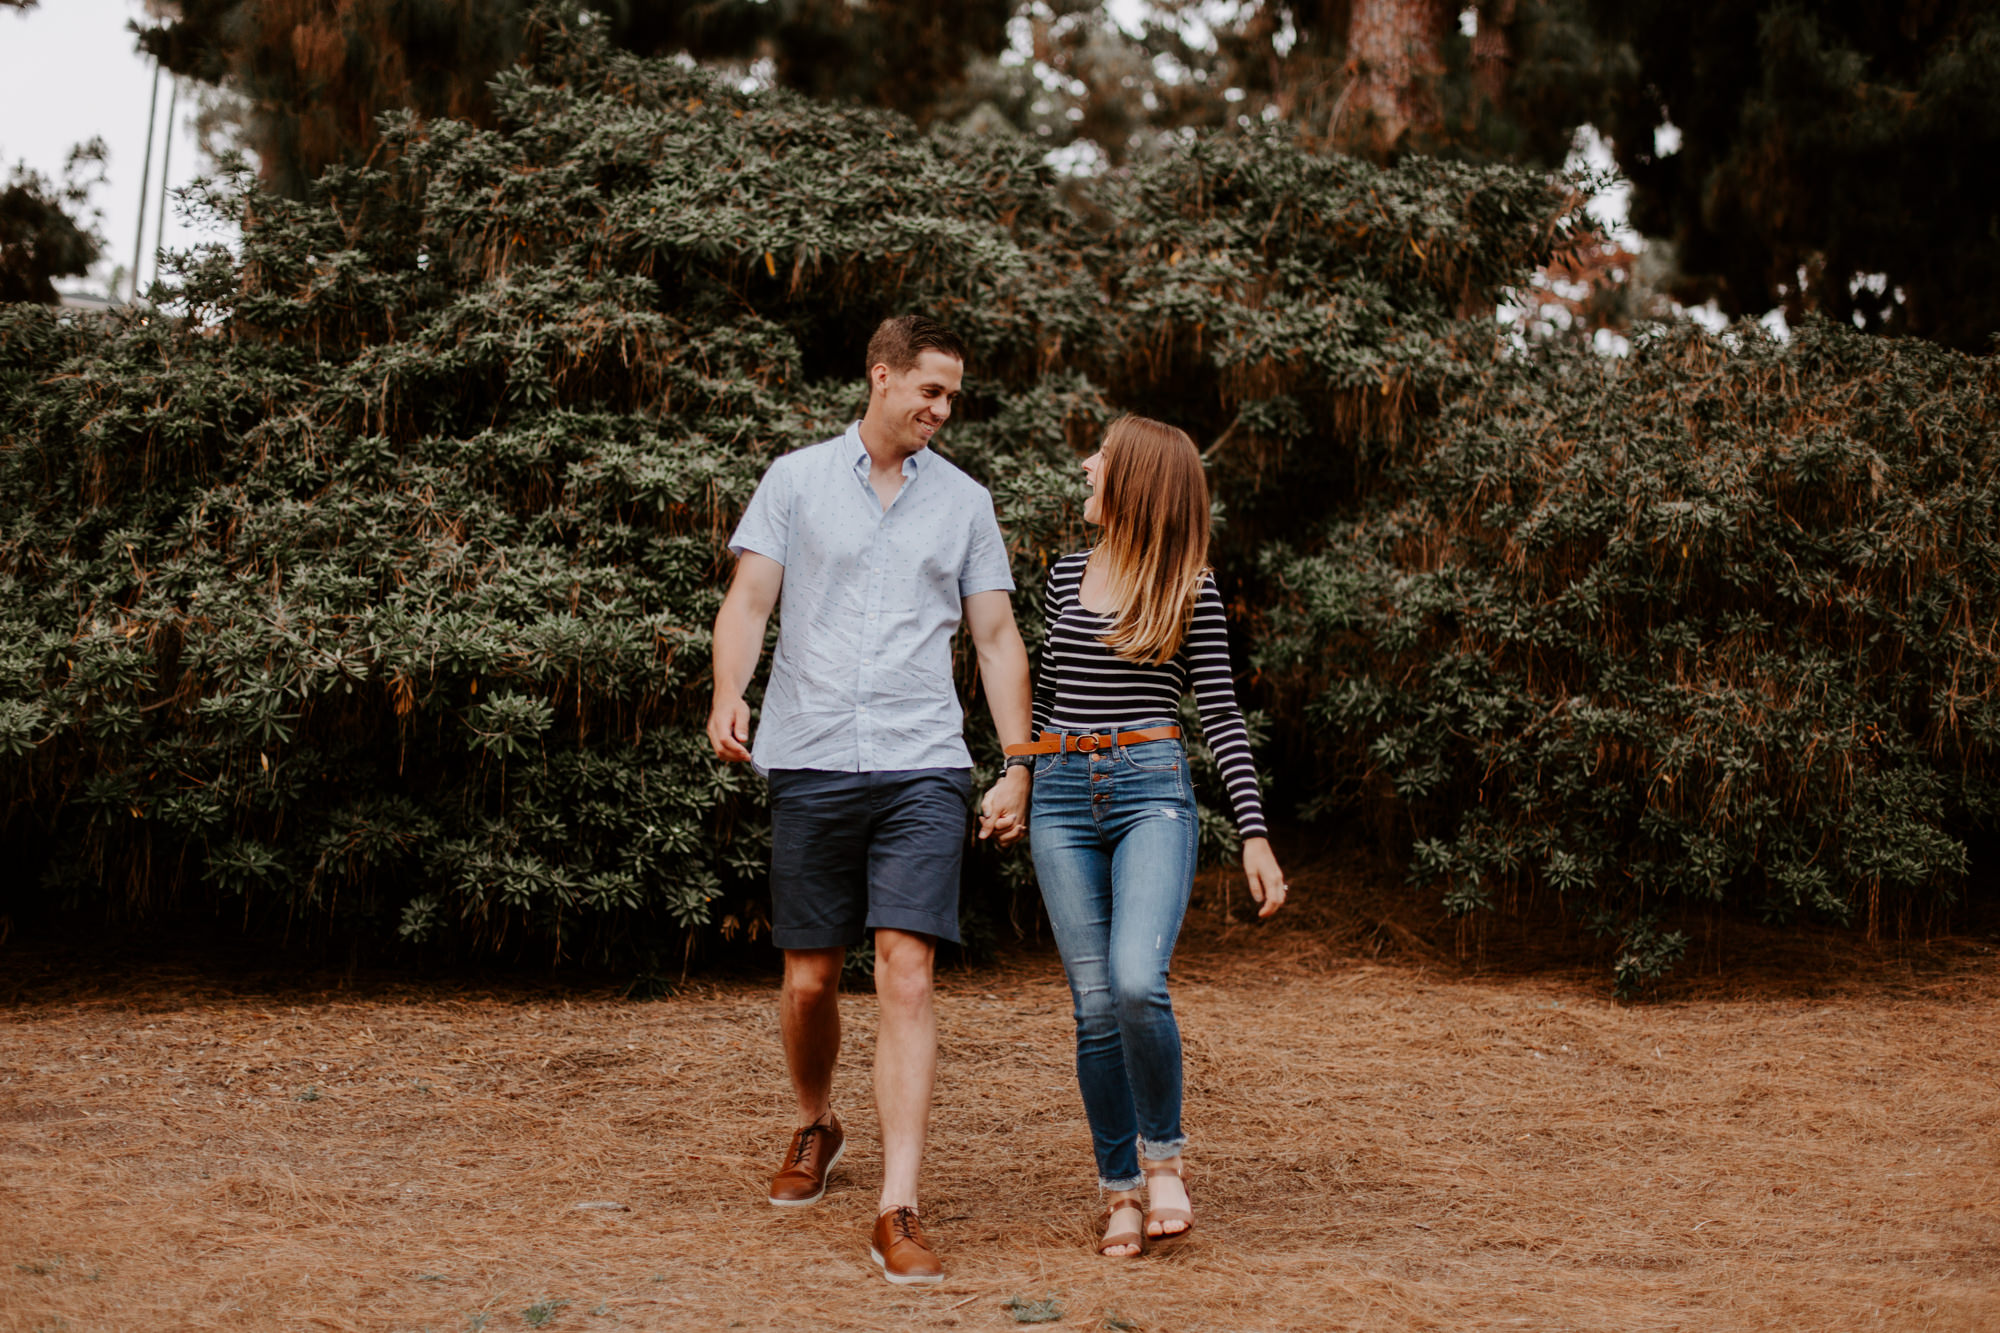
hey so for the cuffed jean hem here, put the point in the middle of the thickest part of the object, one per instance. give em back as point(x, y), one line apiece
point(1117, 1186)
point(1162, 1151)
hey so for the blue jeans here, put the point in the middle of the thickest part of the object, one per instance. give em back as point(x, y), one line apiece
point(1113, 833)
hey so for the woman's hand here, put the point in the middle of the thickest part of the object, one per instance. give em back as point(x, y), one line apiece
point(1003, 814)
point(1267, 882)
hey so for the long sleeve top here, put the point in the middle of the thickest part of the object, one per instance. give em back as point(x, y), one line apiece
point(1081, 685)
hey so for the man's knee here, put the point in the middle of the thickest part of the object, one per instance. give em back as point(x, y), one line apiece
point(813, 975)
point(903, 967)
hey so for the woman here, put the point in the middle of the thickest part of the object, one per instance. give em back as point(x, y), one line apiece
point(1133, 623)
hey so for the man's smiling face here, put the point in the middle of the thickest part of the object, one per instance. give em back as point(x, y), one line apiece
point(916, 402)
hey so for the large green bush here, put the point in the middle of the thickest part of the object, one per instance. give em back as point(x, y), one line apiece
point(365, 583)
point(1715, 623)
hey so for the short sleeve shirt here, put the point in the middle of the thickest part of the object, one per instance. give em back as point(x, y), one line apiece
point(861, 680)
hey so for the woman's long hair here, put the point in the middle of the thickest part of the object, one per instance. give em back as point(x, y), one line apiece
point(1153, 501)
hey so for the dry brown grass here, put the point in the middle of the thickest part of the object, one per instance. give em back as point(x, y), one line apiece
point(1378, 1146)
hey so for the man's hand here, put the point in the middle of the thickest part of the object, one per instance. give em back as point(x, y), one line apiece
point(1267, 882)
point(729, 729)
point(1003, 813)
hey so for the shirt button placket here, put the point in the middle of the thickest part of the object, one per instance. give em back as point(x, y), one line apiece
point(864, 670)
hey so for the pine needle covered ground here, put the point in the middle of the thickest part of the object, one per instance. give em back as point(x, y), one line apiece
point(1385, 1139)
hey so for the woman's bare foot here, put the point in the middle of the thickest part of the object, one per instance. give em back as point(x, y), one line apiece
point(1168, 1211)
point(1123, 1216)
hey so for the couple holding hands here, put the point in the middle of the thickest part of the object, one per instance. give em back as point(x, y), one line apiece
point(878, 549)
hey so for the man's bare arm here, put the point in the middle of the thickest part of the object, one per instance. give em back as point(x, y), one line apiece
point(1003, 664)
point(1003, 673)
point(739, 642)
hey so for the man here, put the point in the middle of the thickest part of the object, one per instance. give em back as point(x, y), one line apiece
point(877, 549)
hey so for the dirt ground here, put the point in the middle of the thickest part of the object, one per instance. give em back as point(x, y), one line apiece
point(1379, 1142)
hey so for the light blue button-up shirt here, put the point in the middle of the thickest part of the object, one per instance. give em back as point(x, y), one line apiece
point(861, 679)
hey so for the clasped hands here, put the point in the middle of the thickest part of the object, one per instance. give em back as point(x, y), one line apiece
point(1003, 811)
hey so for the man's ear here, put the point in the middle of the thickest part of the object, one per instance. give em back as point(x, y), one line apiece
point(878, 378)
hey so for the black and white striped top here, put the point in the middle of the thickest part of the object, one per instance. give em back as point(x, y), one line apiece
point(1081, 685)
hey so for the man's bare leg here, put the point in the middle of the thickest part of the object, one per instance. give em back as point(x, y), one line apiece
point(809, 1016)
point(905, 1058)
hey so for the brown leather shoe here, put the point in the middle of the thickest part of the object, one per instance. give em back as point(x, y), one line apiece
point(802, 1179)
point(899, 1246)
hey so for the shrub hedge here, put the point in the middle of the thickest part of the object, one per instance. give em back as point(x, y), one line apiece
point(363, 583)
point(1715, 623)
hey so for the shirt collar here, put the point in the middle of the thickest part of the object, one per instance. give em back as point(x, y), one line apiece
point(911, 465)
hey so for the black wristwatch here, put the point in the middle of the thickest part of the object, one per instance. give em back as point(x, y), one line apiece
point(1026, 761)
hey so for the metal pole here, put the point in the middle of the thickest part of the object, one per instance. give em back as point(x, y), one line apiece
point(145, 178)
point(166, 162)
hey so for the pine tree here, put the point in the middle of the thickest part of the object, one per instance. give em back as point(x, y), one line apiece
point(317, 73)
point(1505, 80)
point(1833, 157)
point(42, 232)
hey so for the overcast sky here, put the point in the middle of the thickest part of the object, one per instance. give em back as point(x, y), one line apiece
point(69, 70)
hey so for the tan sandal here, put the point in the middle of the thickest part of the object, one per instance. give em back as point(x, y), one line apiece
point(1182, 1215)
point(1135, 1237)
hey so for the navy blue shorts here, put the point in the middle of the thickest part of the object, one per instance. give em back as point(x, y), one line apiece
point(853, 852)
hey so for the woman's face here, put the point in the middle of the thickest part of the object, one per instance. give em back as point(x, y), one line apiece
point(1093, 508)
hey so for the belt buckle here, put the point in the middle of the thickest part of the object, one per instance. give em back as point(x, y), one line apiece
point(1086, 743)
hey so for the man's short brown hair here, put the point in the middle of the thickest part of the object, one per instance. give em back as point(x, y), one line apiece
point(900, 339)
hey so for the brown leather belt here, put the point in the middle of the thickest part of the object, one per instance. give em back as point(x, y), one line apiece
point(1055, 742)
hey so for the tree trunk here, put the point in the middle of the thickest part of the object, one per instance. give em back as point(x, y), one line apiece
point(1492, 56)
point(1394, 49)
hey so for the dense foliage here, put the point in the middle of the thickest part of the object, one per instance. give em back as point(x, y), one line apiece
point(367, 586)
point(1828, 157)
point(1714, 624)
